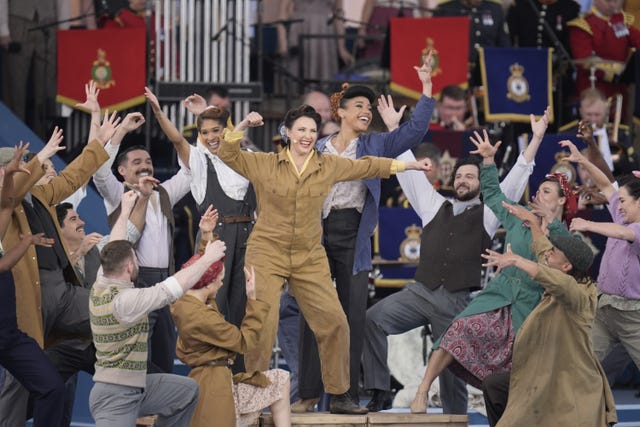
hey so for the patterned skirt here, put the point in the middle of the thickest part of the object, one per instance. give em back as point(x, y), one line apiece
point(481, 345)
point(250, 400)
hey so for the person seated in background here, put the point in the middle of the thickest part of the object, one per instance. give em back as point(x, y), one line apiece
point(604, 35)
point(617, 149)
point(208, 344)
point(451, 110)
point(555, 378)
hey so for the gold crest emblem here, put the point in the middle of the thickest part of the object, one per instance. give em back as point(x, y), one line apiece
point(410, 246)
point(517, 84)
point(101, 71)
point(435, 59)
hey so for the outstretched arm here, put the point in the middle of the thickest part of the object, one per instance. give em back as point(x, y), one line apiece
point(608, 229)
point(594, 155)
point(181, 145)
point(599, 178)
point(13, 255)
point(538, 129)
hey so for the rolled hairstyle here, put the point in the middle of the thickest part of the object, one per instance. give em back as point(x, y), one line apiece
point(219, 114)
point(293, 115)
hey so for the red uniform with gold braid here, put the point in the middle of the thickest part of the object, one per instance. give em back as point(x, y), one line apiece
point(609, 38)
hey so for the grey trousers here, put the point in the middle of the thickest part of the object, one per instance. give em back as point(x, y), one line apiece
point(410, 308)
point(612, 326)
point(172, 397)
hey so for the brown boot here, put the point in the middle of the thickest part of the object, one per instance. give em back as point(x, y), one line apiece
point(304, 405)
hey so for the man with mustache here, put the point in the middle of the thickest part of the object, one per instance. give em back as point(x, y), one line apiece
point(447, 271)
point(155, 247)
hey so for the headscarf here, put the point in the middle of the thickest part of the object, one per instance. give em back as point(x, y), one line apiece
point(210, 275)
point(571, 205)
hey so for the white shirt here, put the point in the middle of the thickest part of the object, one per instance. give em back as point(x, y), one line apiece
point(233, 184)
point(426, 201)
point(133, 304)
point(153, 247)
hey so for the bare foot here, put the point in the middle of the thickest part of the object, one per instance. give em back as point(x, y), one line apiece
point(419, 404)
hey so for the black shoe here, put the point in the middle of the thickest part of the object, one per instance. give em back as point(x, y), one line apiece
point(380, 400)
point(344, 404)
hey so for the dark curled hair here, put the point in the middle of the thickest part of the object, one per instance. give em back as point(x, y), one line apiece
point(219, 114)
point(301, 111)
point(471, 160)
point(61, 211)
point(632, 184)
point(114, 256)
point(337, 102)
point(122, 157)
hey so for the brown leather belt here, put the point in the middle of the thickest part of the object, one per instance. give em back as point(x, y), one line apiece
point(235, 219)
point(221, 362)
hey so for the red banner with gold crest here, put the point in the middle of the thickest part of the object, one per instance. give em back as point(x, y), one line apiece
point(115, 59)
point(412, 38)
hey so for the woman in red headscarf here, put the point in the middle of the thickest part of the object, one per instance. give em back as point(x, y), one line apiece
point(479, 341)
point(208, 344)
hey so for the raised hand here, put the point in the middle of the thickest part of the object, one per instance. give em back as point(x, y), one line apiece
point(539, 127)
point(579, 224)
point(215, 250)
point(108, 127)
point(420, 165)
point(145, 185)
point(208, 220)
point(91, 102)
point(88, 242)
point(52, 146)
point(250, 276)
point(585, 131)
point(132, 121)
point(16, 164)
point(195, 104)
point(574, 154)
point(128, 201)
point(390, 116)
point(483, 145)
point(520, 212)
point(500, 260)
point(252, 120)
point(539, 209)
point(424, 71)
point(152, 99)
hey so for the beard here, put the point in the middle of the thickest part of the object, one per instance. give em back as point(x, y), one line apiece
point(471, 193)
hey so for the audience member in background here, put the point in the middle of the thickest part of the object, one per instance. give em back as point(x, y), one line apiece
point(606, 33)
point(487, 28)
point(20, 354)
point(528, 32)
point(616, 149)
point(321, 103)
point(123, 390)
point(317, 58)
point(30, 58)
point(572, 389)
point(209, 344)
point(451, 110)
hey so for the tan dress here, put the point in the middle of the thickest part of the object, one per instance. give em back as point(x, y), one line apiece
point(204, 336)
point(556, 379)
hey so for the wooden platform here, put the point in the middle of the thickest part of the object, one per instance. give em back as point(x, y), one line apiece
point(388, 419)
